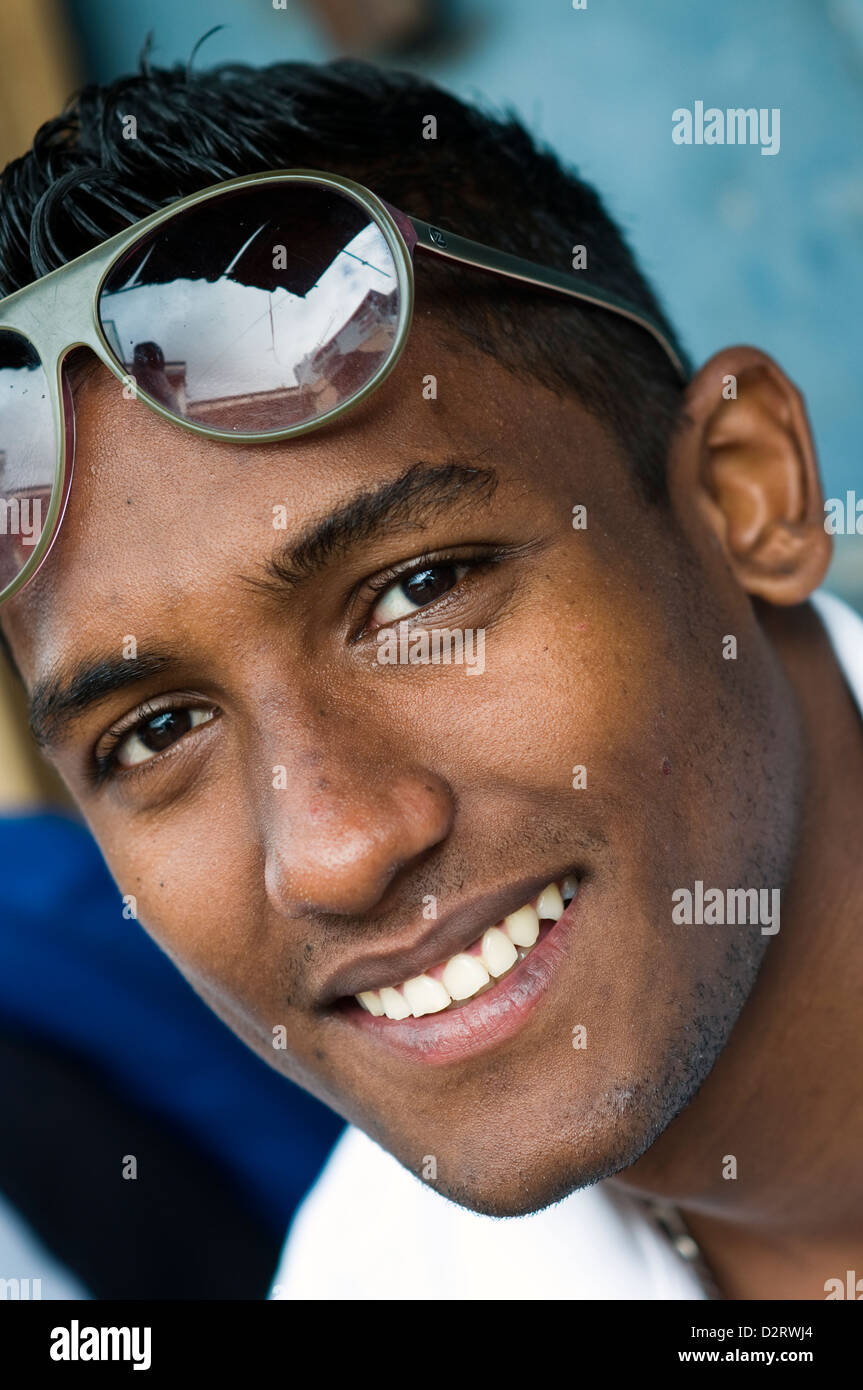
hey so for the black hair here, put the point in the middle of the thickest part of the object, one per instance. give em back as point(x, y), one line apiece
point(482, 176)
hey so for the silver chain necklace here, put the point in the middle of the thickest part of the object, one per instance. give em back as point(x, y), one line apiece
point(669, 1221)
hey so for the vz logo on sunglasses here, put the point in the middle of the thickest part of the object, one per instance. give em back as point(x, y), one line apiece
point(437, 237)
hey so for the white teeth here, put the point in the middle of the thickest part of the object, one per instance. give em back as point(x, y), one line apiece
point(394, 1003)
point(549, 904)
point(371, 1002)
point(498, 952)
point(464, 975)
point(522, 927)
point(425, 995)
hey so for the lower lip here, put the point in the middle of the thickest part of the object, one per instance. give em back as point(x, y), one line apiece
point(482, 1023)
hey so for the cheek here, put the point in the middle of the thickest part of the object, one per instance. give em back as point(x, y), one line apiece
point(197, 881)
point(578, 694)
point(602, 711)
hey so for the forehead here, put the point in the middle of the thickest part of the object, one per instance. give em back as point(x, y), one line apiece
point(157, 513)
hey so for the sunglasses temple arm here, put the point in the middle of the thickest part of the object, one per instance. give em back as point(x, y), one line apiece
point(458, 248)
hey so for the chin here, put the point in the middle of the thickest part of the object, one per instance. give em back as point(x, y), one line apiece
point(515, 1173)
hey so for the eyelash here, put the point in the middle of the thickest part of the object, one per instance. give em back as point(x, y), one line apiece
point(105, 764)
point(373, 590)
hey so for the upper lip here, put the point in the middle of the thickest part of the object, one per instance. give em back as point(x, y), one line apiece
point(442, 939)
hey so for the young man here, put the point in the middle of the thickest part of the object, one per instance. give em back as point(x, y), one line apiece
point(586, 909)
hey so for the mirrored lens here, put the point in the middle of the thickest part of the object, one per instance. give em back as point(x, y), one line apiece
point(257, 310)
point(28, 453)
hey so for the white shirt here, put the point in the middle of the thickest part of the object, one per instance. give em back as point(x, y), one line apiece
point(29, 1270)
point(369, 1229)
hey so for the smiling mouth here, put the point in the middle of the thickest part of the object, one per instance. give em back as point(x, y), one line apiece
point(494, 956)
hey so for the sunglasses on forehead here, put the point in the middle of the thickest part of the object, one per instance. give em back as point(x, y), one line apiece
point(255, 310)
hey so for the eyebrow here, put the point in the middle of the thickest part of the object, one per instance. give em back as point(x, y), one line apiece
point(57, 700)
point(419, 495)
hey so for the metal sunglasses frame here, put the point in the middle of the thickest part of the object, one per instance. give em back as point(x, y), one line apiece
point(42, 312)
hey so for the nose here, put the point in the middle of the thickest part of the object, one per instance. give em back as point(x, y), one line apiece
point(344, 824)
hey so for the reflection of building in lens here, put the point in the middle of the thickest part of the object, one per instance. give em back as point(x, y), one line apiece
point(330, 374)
point(23, 512)
point(344, 362)
point(164, 381)
point(21, 508)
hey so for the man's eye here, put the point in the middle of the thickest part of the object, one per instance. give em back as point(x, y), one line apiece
point(414, 590)
point(157, 733)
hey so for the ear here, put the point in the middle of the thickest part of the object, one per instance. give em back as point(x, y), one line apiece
point(744, 457)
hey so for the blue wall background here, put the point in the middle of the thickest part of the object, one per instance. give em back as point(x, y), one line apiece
point(743, 247)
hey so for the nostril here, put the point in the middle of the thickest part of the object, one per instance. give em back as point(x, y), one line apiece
point(340, 837)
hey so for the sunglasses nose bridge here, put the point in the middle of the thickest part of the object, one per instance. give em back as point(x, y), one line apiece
point(58, 313)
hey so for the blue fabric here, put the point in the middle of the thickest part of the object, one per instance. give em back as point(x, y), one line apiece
point(72, 969)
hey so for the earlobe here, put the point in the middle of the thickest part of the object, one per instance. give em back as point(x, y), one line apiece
point(746, 458)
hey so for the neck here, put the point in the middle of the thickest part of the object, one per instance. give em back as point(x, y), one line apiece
point(783, 1107)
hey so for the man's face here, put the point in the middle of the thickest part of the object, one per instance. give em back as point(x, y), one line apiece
point(299, 821)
